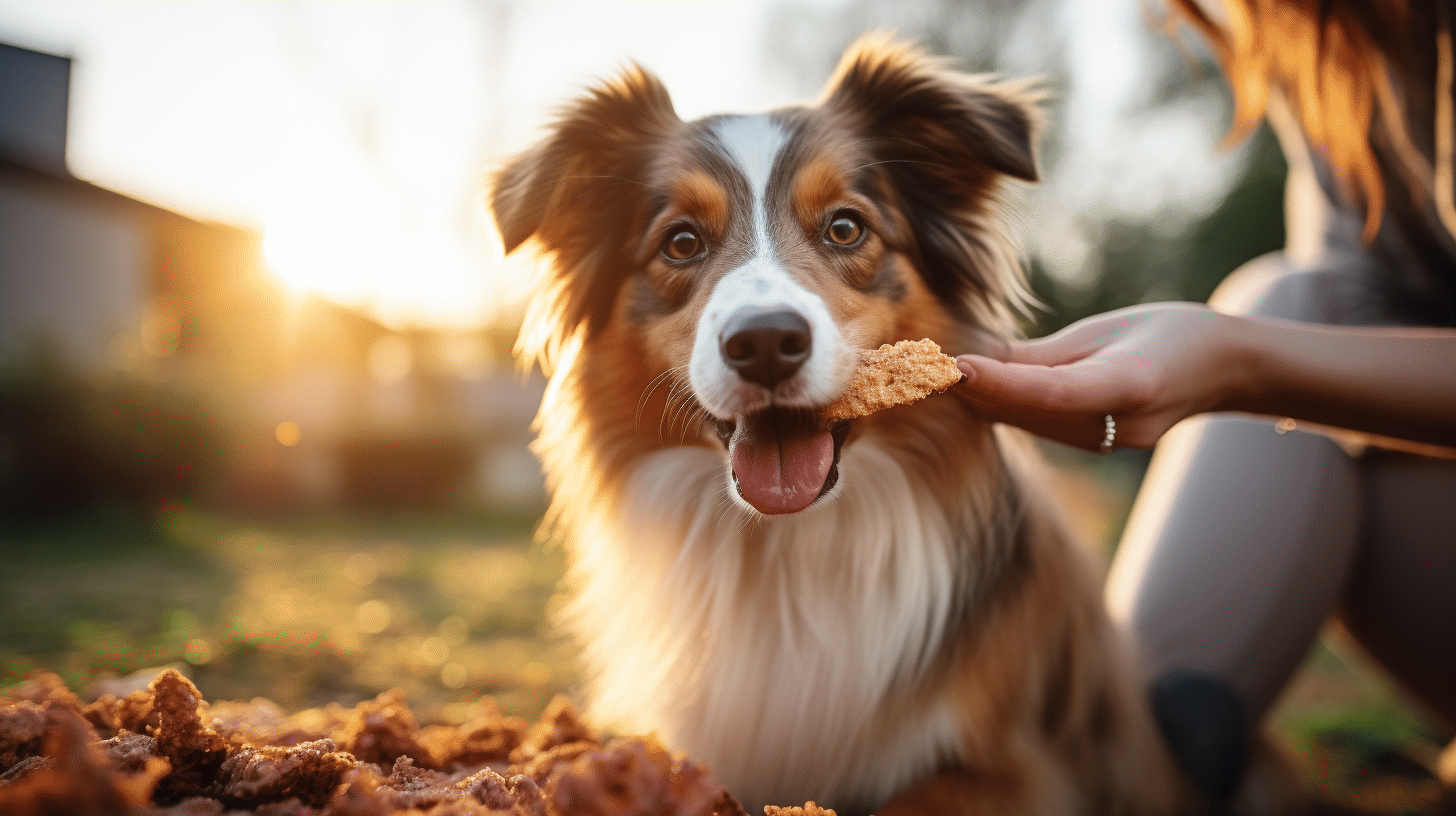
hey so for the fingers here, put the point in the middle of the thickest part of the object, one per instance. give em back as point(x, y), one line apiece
point(1086, 433)
point(1012, 387)
point(1066, 403)
point(1077, 429)
point(1073, 342)
point(1061, 348)
point(1090, 334)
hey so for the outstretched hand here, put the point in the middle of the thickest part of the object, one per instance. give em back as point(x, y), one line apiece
point(1148, 366)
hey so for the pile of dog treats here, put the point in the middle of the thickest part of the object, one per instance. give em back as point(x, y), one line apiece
point(166, 751)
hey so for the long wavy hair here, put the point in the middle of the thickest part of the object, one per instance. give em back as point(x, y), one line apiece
point(1333, 60)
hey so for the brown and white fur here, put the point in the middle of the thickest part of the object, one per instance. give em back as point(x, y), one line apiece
point(923, 637)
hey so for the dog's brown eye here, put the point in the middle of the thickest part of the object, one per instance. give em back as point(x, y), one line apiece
point(844, 230)
point(682, 245)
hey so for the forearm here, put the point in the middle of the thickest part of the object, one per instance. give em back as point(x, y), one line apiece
point(1390, 381)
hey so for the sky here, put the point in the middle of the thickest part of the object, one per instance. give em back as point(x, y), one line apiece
point(356, 136)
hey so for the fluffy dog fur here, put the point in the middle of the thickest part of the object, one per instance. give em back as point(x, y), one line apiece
point(923, 637)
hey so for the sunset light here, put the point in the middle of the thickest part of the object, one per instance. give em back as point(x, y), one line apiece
point(358, 140)
point(353, 254)
point(282, 422)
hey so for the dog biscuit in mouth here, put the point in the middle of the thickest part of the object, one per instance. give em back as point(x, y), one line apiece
point(891, 375)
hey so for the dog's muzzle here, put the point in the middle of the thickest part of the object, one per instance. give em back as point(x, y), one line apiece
point(783, 458)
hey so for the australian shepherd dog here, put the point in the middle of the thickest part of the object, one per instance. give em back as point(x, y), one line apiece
point(879, 615)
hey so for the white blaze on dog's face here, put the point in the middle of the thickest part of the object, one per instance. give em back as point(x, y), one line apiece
point(730, 268)
point(791, 270)
point(789, 352)
point(766, 344)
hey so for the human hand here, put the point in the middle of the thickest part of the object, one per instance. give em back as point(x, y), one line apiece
point(1147, 366)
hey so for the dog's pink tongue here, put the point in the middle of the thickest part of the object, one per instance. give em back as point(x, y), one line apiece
point(779, 469)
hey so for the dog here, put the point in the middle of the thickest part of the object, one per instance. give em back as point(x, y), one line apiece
point(881, 615)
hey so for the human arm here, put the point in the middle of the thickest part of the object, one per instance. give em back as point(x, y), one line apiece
point(1151, 366)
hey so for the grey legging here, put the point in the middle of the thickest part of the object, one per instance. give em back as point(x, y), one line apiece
point(1244, 540)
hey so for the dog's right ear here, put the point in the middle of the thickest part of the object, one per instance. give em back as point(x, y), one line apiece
point(597, 140)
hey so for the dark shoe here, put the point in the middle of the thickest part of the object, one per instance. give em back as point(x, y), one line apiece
point(1206, 728)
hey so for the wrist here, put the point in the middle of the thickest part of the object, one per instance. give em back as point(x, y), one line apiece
point(1249, 378)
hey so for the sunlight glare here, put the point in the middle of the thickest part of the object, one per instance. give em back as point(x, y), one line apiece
point(390, 359)
point(288, 434)
point(372, 255)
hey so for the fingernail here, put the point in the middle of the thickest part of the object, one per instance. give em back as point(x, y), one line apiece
point(967, 369)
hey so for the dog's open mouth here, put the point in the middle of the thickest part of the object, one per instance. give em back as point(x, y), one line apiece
point(783, 459)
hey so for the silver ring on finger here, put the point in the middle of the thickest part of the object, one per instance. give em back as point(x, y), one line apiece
point(1109, 434)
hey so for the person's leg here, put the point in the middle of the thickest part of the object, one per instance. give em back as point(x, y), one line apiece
point(1401, 603)
point(1237, 550)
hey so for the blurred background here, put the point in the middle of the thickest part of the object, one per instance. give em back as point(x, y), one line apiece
point(258, 417)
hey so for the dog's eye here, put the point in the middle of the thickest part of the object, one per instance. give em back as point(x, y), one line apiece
point(845, 230)
point(682, 245)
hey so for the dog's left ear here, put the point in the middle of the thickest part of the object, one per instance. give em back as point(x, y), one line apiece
point(577, 193)
point(597, 141)
point(944, 141)
point(915, 109)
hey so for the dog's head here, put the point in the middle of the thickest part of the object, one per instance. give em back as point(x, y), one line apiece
point(740, 261)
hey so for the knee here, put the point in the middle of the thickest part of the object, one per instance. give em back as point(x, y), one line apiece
point(1249, 285)
point(1270, 286)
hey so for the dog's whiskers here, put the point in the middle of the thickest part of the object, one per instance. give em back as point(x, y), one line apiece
point(684, 414)
point(726, 507)
point(608, 177)
point(679, 397)
point(679, 408)
point(647, 393)
point(693, 416)
point(899, 161)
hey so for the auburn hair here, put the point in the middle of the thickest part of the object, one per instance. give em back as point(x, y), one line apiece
point(1333, 61)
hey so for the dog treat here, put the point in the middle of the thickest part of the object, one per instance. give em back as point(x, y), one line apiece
point(809, 809)
point(893, 375)
point(165, 751)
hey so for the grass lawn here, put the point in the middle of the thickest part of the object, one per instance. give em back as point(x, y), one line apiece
point(453, 606)
point(447, 607)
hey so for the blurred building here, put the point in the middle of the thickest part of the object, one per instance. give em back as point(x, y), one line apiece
point(322, 405)
point(106, 279)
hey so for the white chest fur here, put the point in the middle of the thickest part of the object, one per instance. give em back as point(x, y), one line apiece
point(780, 651)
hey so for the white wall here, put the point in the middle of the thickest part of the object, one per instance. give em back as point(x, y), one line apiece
point(72, 271)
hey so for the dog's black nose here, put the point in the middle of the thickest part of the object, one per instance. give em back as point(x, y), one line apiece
point(766, 346)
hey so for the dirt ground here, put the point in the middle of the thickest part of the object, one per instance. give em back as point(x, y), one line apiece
point(448, 607)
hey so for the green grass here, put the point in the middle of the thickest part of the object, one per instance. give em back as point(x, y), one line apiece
point(304, 611)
